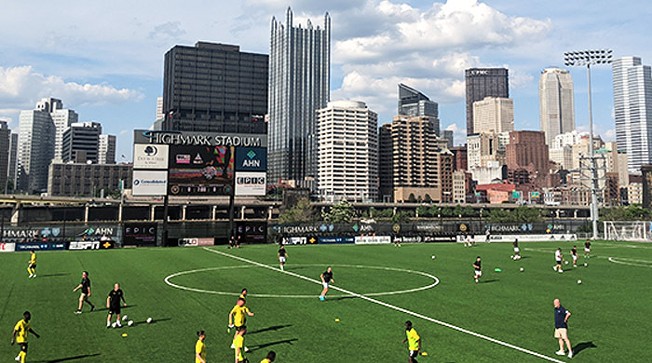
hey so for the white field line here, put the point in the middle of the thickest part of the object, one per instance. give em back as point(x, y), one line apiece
point(630, 262)
point(393, 307)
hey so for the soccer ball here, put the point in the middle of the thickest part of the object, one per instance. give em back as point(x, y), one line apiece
point(149, 320)
point(522, 269)
point(565, 262)
point(130, 323)
point(433, 257)
point(124, 318)
point(114, 325)
point(585, 264)
point(579, 282)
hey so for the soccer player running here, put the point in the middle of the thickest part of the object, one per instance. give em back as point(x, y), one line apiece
point(31, 264)
point(282, 256)
point(238, 317)
point(561, 328)
point(517, 251)
point(113, 304)
point(414, 342)
point(21, 330)
point(326, 279)
point(574, 255)
point(477, 268)
point(85, 286)
point(271, 356)
point(558, 260)
point(587, 249)
point(200, 347)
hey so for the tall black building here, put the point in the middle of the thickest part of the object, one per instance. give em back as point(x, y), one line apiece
point(481, 83)
point(215, 88)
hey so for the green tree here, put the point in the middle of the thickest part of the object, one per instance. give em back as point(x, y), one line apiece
point(402, 217)
point(302, 212)
point(342, 212)
point(517, 215)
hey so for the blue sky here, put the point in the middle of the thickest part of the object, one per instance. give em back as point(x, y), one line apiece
point(105, 59)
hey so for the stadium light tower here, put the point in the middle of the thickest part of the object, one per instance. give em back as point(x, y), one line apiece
point(588, 58)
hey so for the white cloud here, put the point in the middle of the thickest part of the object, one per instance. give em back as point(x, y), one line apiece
point(21, 87)
point(459, 133)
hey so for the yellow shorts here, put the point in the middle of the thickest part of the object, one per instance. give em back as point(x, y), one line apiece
point(561, 333)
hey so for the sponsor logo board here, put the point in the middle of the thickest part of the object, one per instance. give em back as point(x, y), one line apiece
point(250, 183)
point(149, 182)
point(7, 247)
point(150, 156)
point(372, 239)
point(251, 159)
point(44, 246)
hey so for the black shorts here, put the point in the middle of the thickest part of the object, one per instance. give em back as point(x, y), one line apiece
point(114, 309)
point(413, 353)
point(32, 265)
point(241, 327)
point(558, 262)
point(23, 347)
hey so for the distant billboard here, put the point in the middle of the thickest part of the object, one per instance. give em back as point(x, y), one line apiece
point(149, 182)
point(201, 170)
point(149, 156)
point(250, 183)
point(251, 159)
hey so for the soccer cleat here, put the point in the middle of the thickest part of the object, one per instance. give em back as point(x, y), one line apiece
point(246, 349)
point(92, 307)
point(108, 325)
point(117, 323)
point(321, 298)
point(232, 346)
point(560, 352)
point(561, 271)
point(570, 354)
point(17, 359)
point(78, 312)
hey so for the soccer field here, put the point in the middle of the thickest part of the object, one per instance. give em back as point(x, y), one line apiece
point(507, 317)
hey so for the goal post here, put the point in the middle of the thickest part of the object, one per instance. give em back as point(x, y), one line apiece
point(627, 231)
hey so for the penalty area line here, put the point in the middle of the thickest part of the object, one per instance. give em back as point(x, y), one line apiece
point(393, 307)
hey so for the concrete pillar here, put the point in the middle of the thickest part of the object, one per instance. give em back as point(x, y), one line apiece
point(214, 212)
point(242, 212)
point(575, 213)
point(15, 214)
point(120, 213)
point(183, 212)
point(269, 213)
point(86, 208)
point(152, 208)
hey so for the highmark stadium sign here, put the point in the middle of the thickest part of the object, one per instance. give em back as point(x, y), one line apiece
point(199, 164)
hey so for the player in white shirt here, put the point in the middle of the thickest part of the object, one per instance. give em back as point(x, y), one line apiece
point(558, 260)
point(517, 251)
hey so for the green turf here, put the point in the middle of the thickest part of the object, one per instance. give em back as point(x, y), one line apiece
point(611, 308)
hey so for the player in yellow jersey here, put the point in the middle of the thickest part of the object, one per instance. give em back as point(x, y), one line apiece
point(238, 344)
point(271, 356)
point(31, 265)
point(414, 342)
point(239, 313)
point(21, 330)
point(200, 347)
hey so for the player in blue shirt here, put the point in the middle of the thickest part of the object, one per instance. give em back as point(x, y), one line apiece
point(561, 328)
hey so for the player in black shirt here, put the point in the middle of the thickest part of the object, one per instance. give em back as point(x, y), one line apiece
point(587, 249)
point(282, 256)
point(574, 255)
point(477, 267)
point(113, 304)
point(85, 286)
point(326, 279)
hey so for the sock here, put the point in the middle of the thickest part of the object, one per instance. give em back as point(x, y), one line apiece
point(22, 356)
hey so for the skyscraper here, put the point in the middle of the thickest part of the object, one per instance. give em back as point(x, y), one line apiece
point(299, 77)
point(347, 152)
point(493, 114)
point(5, 148)
point(35, 149)
point(556, 107)
point(13, 162)
point(81, 141)
point(633, 110)
point(214, 88)
point(481, 83)
point(414, 103)
point(61, 117)
point(106, 150)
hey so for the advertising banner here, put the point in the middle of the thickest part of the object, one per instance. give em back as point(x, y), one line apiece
point(149, 182)
point(364, 240)
point(7, 247)
point(193, 242)
point(251, 232)
point(251, 159)
point(139, 234)
point(149, 156)
point(336, 240)
point(91, 245)
point(43, 246)
point(201, 170)
point(250, 183)
point(522, 237)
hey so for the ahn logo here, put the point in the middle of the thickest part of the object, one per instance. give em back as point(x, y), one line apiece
point(151, 150)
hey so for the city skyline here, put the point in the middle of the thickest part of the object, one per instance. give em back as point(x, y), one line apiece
point(115, 77)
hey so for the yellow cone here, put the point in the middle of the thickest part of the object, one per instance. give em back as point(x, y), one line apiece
point(424, 354)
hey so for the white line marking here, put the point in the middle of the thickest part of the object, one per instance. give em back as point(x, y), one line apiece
point(630, 262)
point(397, 292)
point(393, 307)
